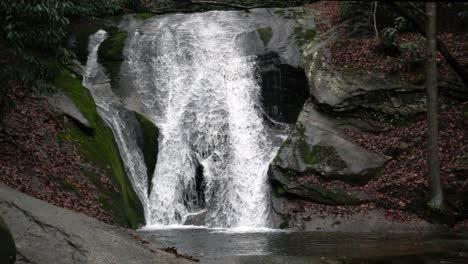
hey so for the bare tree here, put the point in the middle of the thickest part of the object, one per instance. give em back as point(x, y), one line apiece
point(437, 196)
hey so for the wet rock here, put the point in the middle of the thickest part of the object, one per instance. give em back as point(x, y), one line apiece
point(284, 88)
point(372, 221)
point(196, 219)
point(290, 188)
point(7, 244)
point(48, 234)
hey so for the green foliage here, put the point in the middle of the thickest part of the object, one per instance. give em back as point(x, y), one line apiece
point(31, 28)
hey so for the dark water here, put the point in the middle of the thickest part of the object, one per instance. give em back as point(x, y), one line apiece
point(215, 246)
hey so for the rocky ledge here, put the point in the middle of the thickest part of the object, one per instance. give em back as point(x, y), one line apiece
point(48, 234)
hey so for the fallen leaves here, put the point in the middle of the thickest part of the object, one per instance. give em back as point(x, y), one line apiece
point(34, 162)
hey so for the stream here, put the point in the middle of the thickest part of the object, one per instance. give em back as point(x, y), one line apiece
point(272, 246)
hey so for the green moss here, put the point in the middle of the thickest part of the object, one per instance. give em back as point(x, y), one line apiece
point(265, 35)
point(68, 83)
point(324, 155)
point(144, 16)
point(149, 144)
point(304, 36)
point(111, 54)
point(111, 48)
point(100, 150)
point(7, 244)
point(81, 32)
point(309, 34)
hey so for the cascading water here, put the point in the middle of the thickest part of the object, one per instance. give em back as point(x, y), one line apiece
point(191, 75)
point(117, 117)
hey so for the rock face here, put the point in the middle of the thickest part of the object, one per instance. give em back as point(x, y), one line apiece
point(61, 103)
point(341, 89)
point(317, 148)
point(284, 88)
point(316, 151)
point(48, 234)
point(371, 222)
point(7, 244)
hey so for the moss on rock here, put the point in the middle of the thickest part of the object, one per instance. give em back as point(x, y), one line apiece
point(80, 33)
point(265, 35)
point(100, 150)
point(111, 48)
point(111, 54)
point(304, 36)
point(149, 143)
point(144, 16)
point(7, 244)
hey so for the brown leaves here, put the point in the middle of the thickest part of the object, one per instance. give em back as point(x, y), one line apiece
point(35, 163)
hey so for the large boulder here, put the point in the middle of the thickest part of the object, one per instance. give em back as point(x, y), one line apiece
point(342, 89)
point(47, 234)
point(317, 147)
point(7, 244)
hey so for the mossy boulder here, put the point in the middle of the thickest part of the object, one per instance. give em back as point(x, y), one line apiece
point(317, 147)
point(7, 244)
point(100, 150)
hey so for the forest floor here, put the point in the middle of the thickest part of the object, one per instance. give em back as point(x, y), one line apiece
point(360, 52)
point(402, 188)
point(34, 161)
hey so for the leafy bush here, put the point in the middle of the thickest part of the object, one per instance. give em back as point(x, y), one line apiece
point(32, 28)
point(389, 41)
point(33, 32)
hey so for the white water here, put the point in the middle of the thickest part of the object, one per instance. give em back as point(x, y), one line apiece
point(194, 80)
point(109, 108)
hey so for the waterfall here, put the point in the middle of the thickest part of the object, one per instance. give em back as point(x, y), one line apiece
point(193, 77)
point(119, 119)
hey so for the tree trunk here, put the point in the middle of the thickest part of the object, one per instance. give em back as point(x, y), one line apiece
point(456, 66)
point(437, 197)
